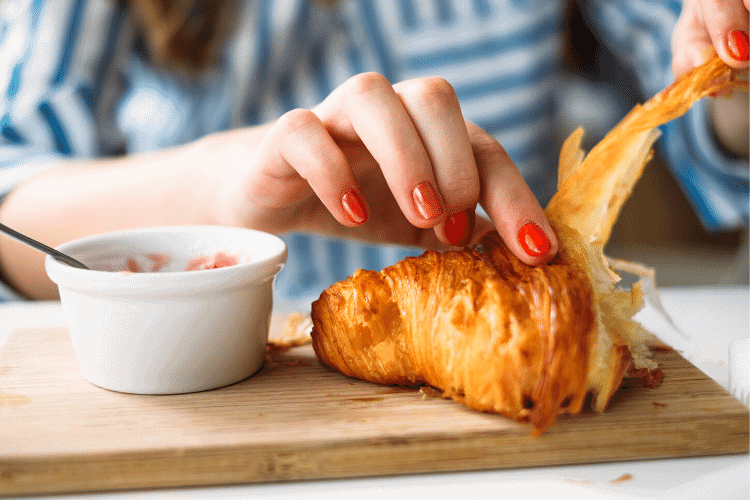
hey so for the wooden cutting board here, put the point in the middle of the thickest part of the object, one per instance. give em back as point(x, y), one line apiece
point(297, 419)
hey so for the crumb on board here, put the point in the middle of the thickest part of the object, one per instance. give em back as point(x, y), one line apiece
point(659, 405)
point(660, 347)
point(430, 392)
point(650, 378)
point(296, 332)
point(622, 479)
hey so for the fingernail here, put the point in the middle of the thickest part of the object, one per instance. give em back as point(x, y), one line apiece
point(533, 240)
point(459, 227)
point(354, 207)
point(737, 45)
point(426, 200)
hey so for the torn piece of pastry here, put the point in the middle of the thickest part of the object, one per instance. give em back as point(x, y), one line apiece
point(496, 334)
point(295, 333)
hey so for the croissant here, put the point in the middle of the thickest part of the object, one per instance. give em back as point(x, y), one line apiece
point(496, 334)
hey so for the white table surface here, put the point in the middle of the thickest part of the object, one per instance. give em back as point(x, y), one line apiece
point(707, 320)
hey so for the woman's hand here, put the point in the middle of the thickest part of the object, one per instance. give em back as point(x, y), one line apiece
point(708, 26)
point(378, 162)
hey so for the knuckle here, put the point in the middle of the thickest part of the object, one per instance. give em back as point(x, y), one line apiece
point(486, 146)
point(296, 120)
point(364, 83)
point(463, 189)
point(433, 88)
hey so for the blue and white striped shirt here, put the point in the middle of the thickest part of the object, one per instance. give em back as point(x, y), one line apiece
point(73, 85)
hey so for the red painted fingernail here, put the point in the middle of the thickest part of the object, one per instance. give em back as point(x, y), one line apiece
point(459, 227)
point(533, 240)
point(737, 45)
point(354, 207)
point(426, 200)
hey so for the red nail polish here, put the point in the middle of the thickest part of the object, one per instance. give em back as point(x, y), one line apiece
point(426, 201)
point(737, 45)
point(533, 240)
point(459, 227)
point(354, 207)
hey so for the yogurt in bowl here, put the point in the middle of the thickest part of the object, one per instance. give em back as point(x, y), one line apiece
point(165, 330)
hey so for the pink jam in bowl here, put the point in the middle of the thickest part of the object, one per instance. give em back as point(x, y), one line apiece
point(215, 261)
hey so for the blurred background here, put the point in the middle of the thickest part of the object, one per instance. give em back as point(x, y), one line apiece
point(657, 226)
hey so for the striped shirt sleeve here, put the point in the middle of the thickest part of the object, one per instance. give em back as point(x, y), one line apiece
point(50, 73)
point(49, 68)
point(20, 157)
point(639, 33)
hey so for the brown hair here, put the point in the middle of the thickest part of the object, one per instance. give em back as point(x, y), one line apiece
point(184, 35)
point(187, 35)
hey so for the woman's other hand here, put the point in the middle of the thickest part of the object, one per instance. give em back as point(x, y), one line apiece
point(708, 26)
point(705, 28)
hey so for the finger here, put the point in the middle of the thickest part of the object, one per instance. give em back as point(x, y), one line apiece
point(507, 199)
point(434, 110)
point(299, 145)
point(726, 22)
point(691, 45)
point(366, 108)
point(430, 240)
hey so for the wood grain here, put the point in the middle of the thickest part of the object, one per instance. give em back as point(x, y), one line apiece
point(297, 419)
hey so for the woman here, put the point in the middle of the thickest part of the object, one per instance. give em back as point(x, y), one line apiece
point(302, 118)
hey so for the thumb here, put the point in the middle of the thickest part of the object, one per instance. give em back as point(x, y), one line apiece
point(691, 44)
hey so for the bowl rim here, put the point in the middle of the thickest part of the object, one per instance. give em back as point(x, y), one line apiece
point(175, 283)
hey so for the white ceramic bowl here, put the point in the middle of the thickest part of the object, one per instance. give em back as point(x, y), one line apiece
point(170, 331)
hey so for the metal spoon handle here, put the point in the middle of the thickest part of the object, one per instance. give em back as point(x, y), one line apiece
point(65, 259)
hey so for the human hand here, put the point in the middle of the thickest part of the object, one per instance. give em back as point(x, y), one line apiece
point(706, 27)
point(391, 164)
